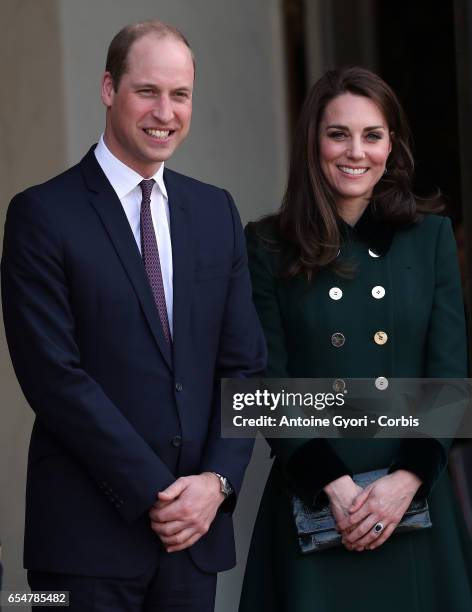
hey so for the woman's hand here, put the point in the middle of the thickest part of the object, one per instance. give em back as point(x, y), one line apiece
point(341, 494)
point(383, 504)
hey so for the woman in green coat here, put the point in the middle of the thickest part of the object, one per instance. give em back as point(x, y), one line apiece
point(354, 278)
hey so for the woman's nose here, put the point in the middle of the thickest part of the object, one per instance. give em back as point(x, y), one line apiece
point(356, 150)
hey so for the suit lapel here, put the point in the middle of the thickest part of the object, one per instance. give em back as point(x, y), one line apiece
point(183, 259)
point(109, 208)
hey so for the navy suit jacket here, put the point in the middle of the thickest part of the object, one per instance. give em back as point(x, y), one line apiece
point(119, 413)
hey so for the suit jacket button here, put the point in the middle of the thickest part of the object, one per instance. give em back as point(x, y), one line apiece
point(338, 339)
point(176, 441)
point(178, 386)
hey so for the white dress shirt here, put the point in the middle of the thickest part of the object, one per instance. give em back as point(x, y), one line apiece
point(125, 182)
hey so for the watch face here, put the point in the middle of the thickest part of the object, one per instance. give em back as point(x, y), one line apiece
point(227, 490)
point(225, 487)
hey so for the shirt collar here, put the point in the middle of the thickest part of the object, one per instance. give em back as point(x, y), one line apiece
point(123, 179)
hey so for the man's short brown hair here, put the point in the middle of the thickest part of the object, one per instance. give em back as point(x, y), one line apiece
point(118, 50)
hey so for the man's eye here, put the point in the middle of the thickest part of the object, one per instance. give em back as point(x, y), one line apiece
point(145, 92)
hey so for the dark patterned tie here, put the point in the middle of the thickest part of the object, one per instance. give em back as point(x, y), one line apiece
point(150, 254)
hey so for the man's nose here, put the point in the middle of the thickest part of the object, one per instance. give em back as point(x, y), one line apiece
point(162, 110)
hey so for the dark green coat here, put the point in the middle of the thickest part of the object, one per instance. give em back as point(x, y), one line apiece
point(422, 313)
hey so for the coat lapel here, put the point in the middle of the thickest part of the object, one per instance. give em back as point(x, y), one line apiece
point(106, 203)
point(183, 259)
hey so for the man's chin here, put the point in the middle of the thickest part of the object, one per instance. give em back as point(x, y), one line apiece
point(159, 155)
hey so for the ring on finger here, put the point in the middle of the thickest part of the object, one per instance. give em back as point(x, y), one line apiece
point(378, 528)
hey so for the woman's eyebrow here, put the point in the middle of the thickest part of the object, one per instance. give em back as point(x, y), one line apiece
point(345, 127)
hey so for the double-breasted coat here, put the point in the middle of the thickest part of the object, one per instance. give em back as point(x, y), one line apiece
point(419, 309)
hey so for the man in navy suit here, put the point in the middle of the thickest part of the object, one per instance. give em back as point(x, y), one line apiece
point(126, 298)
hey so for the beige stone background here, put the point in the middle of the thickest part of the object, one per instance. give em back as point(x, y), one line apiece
point(32, 148)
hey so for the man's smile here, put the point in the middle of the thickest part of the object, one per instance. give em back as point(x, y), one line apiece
point(158, 134)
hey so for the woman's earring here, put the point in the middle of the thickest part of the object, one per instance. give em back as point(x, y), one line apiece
point(385, 171)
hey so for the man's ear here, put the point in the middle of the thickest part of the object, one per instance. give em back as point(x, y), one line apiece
point(107, 90)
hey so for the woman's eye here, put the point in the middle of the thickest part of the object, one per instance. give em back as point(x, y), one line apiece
point(374, 136)
point(336, 135)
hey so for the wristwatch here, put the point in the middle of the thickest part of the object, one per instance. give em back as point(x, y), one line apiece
point(225, 487)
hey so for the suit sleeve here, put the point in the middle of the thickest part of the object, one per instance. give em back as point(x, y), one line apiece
point(301, 458)
point(41, 337)
point(446, 357)
point(241, 354)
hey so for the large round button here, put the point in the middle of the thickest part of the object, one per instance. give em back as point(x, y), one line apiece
point(380, 337)
point(338, 339)
point(373, 253)
point(378, 292)
point(339, 385)
point(176, 441)
point(335, 293)
point(381, 383)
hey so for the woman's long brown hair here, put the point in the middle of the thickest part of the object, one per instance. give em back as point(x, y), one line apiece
point(307, 224)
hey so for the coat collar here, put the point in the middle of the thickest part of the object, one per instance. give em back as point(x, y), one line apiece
point(370, 229)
